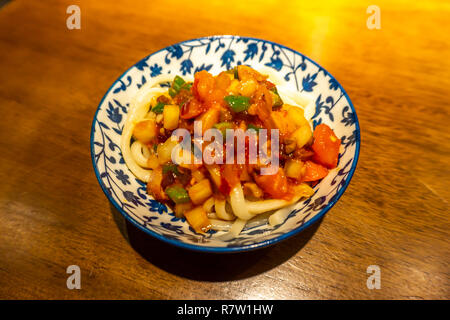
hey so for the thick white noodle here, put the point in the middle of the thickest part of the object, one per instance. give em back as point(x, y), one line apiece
point(234, 231)
point(280, 216)
point(238, 203)
point(139, 106)
point(140, 153)
point(294, 98)
point(136, 156)
point(258, 207)
point(220, 225)
point(208, 205)
point(273, 76)
point(221, 211)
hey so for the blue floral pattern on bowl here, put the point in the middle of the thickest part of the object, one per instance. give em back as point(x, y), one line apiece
point(329, 104)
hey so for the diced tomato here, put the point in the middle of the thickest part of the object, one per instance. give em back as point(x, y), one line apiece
point(326, 146)
point(223, 80)
point(216, 97)
point(314, 171)
point(230, 176)
point(192, 108)
point(275, 185)
point(203, 85)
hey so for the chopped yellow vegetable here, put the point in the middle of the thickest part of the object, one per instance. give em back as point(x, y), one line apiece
point(214, 171)
point(198, 175)
point(145, 131)
point(294, 169)
point(152, 161)
point(164, 150)
point(209, 119)
point(198, 219)
point(296, 115)
point(200, 191)
point(233, 87)
point(171, 116)
point(302, 136)
point(247, 88)
point(181, 208)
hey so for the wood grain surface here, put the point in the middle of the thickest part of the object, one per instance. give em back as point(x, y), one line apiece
point(395, 213)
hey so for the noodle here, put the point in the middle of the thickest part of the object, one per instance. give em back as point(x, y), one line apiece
point(136, 155)
point(139, 106)
point(140, 153)
point(279, 216)
point(209, 204)
point(220, 225)
point(238, 203)
point(234, 231)
point(258, 207)
point(221, 211)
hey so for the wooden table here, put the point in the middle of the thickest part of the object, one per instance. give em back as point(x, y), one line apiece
point(394, 213)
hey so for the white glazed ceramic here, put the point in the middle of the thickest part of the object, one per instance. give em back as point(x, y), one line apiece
point(329, 104)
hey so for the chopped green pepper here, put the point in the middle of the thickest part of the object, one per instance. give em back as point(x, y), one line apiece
point(276, 99)
point(177, 83)
point(170, 167)
point(187, 86)
point(234, 72)
point(223, 126)
point(238, 103)
point(177, 194)
point(158, 108)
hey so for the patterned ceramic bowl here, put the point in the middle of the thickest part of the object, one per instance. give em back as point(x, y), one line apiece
point(329, 104)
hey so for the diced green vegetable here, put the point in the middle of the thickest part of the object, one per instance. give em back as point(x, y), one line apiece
point(170, 167)
point(172, 92)
point(234, 72)
point(238, 103)
point(177, 83)
point(177, 194)
point(158, 108)
point(187, 86)
point(223, 126)
point(276, 99)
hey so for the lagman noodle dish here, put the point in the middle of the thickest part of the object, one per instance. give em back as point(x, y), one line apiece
point(221, 195)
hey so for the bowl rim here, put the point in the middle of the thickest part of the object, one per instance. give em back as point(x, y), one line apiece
point(258, 245)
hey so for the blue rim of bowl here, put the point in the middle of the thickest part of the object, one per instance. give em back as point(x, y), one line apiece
point(236, 249)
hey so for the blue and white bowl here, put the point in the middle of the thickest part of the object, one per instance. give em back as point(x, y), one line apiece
point(329, 104)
